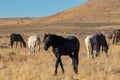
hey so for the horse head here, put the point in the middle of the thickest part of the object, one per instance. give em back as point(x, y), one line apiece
point(105, 48)
point(47, 40)
point(24, 44)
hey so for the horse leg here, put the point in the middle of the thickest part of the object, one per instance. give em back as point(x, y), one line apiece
point(12, 42)
point(57, 62)
point(87, 48)
point(33, 49)
point(30, 49)
point(97, 51)
point(38, 48)
point(16, 44)
point(21, 44)
point(88, 51)
point(62, 66)
point(117, 40)
point(102, 49)
point(72, 57)
point(75, 59)
point(92, 53)
point(113, 40)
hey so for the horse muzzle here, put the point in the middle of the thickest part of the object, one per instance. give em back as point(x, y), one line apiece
point(45, 48)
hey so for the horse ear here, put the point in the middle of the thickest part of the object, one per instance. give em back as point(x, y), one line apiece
point(44, 34)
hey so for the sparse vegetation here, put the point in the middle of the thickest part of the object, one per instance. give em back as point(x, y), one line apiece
point(18, 64)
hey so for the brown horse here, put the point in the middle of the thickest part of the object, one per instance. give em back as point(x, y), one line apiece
point(116, 36)
point(109, 34)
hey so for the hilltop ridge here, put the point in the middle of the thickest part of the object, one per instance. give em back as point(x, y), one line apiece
point(91, 11)
point(107, 11)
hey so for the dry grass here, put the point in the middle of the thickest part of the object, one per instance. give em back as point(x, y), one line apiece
point(18, 64)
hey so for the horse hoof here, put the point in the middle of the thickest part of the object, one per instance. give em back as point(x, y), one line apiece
point(63, 72)
point(55, 74)
point(76, 71)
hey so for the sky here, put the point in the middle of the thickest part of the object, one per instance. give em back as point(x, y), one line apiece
point(35, 8)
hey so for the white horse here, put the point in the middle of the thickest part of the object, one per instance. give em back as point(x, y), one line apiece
point(88, 44)
point(34, 41)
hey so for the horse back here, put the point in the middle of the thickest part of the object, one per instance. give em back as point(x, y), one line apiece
point(71, 44)
point(73, 39)
point(32, 40)
point(16, 37)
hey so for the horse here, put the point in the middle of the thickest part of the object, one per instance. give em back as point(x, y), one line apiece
point(88, 44)
point(63, 46)
point(116, 37)
point(108, 34)
point(17, 38)
point(34, 41)
point(96, 42)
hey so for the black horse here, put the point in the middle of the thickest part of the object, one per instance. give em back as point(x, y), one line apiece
point(18, 38)
point(63, 46)
point(98, 41)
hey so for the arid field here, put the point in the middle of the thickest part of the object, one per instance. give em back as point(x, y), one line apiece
point(92, 17)
point(19, 64)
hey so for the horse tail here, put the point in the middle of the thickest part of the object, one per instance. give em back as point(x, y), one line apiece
point(38, 43)
point(90, 46)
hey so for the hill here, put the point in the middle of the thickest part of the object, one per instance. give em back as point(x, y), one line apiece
point(93, 11)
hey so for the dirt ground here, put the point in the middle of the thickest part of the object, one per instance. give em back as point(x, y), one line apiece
point(19, 64)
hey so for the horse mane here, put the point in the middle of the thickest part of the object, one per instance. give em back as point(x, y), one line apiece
point(54, 35)
point(57, 38)
point(102, 40)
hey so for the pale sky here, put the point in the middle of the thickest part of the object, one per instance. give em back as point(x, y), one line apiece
point(35, 8)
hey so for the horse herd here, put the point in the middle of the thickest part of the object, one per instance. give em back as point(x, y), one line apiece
point(66, 46)
point(114, 34)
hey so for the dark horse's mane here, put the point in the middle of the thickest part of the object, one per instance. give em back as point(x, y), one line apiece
point(57, 40)
point(102, 40)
